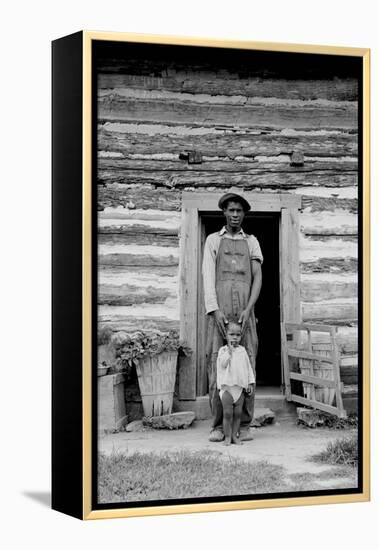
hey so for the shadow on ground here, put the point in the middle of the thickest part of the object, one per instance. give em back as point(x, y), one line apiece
point(42, 497)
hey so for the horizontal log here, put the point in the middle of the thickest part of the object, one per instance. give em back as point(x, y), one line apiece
point(128, 236)
point(192, 179)
point(338, 115)
point(125, 94)
point(330, 265)
point(147, 197)
point(327, 192)
point(138, 317)
point(330, 310)
point(327, 223)
point(121, 273)
point(161, 218)
point(312, 249)
point(330, 204)
point(128, 227)
point(224, 143)
point(315, 290)
point(142, 260)
point(136, 255)
point(127, 295)
point(198, 82)
point(324, 290)
point(142, 278)
point(142, 197)
point(137, 229)
point(131, 324)
point(223, 164)
point(326, 238)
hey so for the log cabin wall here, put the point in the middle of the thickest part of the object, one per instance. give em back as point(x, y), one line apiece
point(247, 124)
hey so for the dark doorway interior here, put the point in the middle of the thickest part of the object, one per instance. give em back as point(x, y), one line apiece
point(265, 226)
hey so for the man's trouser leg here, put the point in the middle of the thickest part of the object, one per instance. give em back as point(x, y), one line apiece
point(248, 410)
point(214, 397)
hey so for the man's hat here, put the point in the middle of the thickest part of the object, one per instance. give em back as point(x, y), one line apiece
point(236, 198)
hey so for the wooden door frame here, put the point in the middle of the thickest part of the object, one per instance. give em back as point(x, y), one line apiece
point(193, 205)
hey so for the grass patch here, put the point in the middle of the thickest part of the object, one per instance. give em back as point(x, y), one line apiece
point(341, 477)
point(156, 476)
point(343, 451)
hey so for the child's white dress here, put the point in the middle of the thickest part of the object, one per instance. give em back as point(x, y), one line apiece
point(234, 373)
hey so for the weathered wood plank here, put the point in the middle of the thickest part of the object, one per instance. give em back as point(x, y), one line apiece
point(133, 323)
point(302, 115)
point(142, 237)
point(289, 266)
point(312, 249)
point(120, 272)
point(198, 82)
point(263, 202)
point(336, 309)
point(329, 204)
point(329, 223)
point(124, 226)
point(143, 260)
point(223, 164)
point(315, 404)
point(313, 380)
point(127, 294)
point(224, 143)
point(131, 214)
point(147, 197)
point(330, 265)
point(314, 288)
point(282, 178)
point(327, 192)
point(142, 197)
point(168, 312)
point(136, 255)
point(157, 277)
point(188, 290)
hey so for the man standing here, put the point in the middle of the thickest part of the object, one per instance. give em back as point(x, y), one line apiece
point(232, 282)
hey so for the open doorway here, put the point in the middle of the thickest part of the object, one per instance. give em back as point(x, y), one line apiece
point(265, 226)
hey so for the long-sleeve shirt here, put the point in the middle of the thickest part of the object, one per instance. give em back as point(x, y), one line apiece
point(211, 247)
point(234, 370)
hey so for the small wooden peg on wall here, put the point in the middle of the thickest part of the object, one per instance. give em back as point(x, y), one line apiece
point(193, 157)
point(297, 159)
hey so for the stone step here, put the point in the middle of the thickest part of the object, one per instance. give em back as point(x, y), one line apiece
point(264, 401)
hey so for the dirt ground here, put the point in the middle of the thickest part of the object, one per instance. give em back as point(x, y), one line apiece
point(283, 443)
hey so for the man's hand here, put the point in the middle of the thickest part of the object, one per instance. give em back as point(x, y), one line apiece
point(221, 321)
point(243, 320)
point(249, 389)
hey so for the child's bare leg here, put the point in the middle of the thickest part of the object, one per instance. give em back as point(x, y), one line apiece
point(237, 411)
point(227, 412)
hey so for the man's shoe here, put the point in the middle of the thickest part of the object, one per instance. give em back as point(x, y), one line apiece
point(216, 436)
point(246, 434)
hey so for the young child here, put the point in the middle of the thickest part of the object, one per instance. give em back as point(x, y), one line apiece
point(234, 376)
